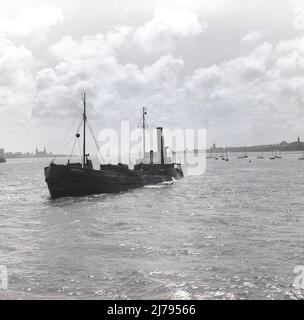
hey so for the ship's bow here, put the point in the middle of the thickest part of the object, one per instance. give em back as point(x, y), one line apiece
point(53, 174)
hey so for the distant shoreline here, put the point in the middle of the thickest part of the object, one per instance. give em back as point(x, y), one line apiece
point(280, 147)
point(35, 157)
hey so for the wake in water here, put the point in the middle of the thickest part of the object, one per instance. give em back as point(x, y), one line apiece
point(171, 242)
point(160, 185)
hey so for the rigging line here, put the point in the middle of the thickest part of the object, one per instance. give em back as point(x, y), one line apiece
point(79, 147)
point(66, 135)
point(70, 139)
point(95, 141)
point(73, 149)
point(62, 149)
point(140, 123)
point(76, 140)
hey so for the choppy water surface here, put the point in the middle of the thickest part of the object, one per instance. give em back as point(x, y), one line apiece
point(235, 232)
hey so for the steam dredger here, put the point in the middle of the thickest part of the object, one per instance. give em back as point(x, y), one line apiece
point(77, 179)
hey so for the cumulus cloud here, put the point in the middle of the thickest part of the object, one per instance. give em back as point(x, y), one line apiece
point(240, 95)
point(253, 38)
point(115, 90)
point(119, 36)
point(241, 98)
point(257, 95)
point(166, 27)
point(299, 19)
point(32, 20)
point(17, 90)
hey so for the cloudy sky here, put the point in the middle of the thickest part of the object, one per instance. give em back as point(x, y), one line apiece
point(234, 67)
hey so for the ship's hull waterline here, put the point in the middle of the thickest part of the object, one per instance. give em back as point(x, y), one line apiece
point(78, 179)
point(64, 180)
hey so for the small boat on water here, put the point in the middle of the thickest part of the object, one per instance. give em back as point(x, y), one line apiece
point(2, 156)
point(272, 157)
point(78, 179)
point(210, 156)
point(226, 155)
point(245, 155)
point(260, 156)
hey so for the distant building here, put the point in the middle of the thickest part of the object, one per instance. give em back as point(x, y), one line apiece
point(297, 145)
point(2, 152)
point(43, 153)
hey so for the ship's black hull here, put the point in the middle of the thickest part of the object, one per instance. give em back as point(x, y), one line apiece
point(157, 173)
point(65, 180)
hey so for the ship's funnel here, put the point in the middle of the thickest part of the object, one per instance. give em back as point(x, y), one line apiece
point(159, 139)
point(162, 156)
point(151, 157)
point(160, 144)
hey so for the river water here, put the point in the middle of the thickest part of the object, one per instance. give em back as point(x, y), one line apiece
point(235, 232)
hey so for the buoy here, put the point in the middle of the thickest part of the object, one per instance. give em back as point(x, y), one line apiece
point(77, 135)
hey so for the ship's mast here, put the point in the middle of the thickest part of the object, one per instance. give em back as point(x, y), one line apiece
point(144, 133)
point(84, 130)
